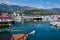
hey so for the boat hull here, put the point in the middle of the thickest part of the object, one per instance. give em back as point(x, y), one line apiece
point(55, 23)
point(15, 37)
point(6, 24)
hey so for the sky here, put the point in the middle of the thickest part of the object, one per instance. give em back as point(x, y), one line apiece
point(34, 3)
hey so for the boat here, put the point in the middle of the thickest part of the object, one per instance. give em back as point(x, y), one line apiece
point(14, 36)
point(19, 37)
point(55, 23)
point(9, 36)
point(6, 21)
point(17, 18)
point(37, 18)
point(33, 32)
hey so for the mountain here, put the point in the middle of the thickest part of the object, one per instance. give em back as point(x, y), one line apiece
point(5, 7)
point(54, 10)
point(27, 10)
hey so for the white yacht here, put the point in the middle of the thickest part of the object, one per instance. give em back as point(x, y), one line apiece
point(17, 19)
point(55, 23)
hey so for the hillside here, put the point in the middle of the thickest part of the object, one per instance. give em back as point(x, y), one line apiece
point(11, 8)
point(27, 10)
point(54, 10)
point(37, 12)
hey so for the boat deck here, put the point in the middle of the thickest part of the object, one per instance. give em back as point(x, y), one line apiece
point(14, 37)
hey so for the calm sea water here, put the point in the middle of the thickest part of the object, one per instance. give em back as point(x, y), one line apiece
point(43, 30)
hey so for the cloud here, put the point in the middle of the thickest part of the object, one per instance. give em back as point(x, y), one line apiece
point(40, 7)
point(47, 2)
point(4, 1)
point(7, 2)
point(57, 5)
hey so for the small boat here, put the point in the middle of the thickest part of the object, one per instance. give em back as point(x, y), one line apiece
point(21, 36)
point(33, 32)
point(16, 36)
point(55, 23)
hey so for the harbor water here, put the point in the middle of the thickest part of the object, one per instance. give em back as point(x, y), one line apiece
point(43, 30)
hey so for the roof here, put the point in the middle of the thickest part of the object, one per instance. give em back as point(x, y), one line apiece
point(5, 17)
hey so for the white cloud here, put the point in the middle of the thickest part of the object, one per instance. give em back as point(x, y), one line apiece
point(40, 7)
point(4, 1)
point(47, 2)
point(57, 5)
point(7, 2)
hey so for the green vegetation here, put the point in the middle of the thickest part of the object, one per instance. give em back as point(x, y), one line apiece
point(30, 12)
point(37, 12)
